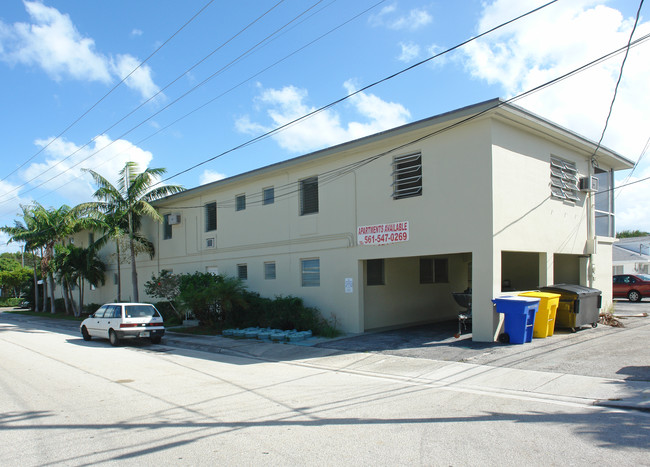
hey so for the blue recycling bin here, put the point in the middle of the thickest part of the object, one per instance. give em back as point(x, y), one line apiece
point(519, 317)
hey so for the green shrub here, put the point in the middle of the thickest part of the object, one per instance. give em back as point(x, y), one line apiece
point(10, 301)
point(198, 293)
point(170, 317)
point(250, 315)
point(59, 305)
point(90, 308)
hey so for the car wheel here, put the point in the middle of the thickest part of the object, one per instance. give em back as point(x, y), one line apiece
point(85, 334)
point(112, 337)
point(634, 296)
point(156, 340)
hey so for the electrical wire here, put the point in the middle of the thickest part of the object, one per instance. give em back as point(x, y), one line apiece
point(241, 83)
point(620, 76)
point(140, 106)
point(267, 134)
point(65, 130)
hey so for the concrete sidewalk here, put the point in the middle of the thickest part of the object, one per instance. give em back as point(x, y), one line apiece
point(558, 386)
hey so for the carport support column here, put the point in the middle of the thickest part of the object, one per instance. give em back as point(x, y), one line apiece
point(545, 269)
point(486, 284)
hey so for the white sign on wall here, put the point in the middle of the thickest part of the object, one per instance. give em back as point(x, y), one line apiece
point(348, 285)
point(383, 234)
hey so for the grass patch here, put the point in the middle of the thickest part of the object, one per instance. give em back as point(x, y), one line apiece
point(47, 315)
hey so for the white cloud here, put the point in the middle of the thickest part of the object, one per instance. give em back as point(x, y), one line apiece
point(140, 80)
point(52, 42)
point(65, 160)
point(209, 176)
point(136, 32)
point(391, 18)
point(324, 128)
point(6, 247)
point(410, 51)
point(529, 53)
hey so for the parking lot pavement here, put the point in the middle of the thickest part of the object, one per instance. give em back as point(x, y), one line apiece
point(605, 351)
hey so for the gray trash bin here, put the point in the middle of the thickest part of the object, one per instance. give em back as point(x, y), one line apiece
point(579, 305)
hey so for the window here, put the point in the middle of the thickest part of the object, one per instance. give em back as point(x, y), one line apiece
point(564, 180)
point(242, 271)
point(240, 202)
point(91, 238)
point(210, 217)
point(407, 176)
point(268, 195)
point(617, 270)
point(167, 228)
point(269, 270)
point(310, 272)
point(375, 272)
point(426, 270)
point(604, 203)
point(441, 270)
point(309, 196)
point(115, 279)
point(114, 311)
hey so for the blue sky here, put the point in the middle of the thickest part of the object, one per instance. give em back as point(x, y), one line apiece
point(263, 63)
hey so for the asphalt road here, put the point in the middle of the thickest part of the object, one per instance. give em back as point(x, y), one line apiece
point(70, 402)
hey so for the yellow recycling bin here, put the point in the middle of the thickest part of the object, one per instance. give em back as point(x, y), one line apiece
point(545, 319)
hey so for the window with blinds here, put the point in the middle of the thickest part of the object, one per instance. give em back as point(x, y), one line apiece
point(407, 176)
point(309, 196)
point(564, 180)
point(210, 217)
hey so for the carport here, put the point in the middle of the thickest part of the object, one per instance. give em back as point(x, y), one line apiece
point(528, 270)
point(407, 291)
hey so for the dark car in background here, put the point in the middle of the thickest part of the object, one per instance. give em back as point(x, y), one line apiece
point(631, 286)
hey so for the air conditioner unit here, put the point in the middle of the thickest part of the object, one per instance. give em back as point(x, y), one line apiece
point(589, 184)
point(209, 242)
point(174, 219)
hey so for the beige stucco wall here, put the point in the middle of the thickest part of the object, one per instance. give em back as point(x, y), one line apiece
point(485, 192)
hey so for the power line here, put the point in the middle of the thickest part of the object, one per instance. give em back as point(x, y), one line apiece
point(138, 107)
point(620, 76)
point(237, 85)
point(289, 123)
point(338, 101)
point(110, 91)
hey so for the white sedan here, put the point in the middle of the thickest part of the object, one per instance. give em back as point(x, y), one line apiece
point(117, 321)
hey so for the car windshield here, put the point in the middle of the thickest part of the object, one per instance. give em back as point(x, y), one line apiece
point(140, 311)
point(644, 277)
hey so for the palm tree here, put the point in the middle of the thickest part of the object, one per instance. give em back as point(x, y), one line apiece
point(128, 203)
point(30, 233)
point(75, 267)
point(64, 274)
point(56, 225)
point(114, 228)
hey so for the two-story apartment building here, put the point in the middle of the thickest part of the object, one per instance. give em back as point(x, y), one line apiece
point(379, 232)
